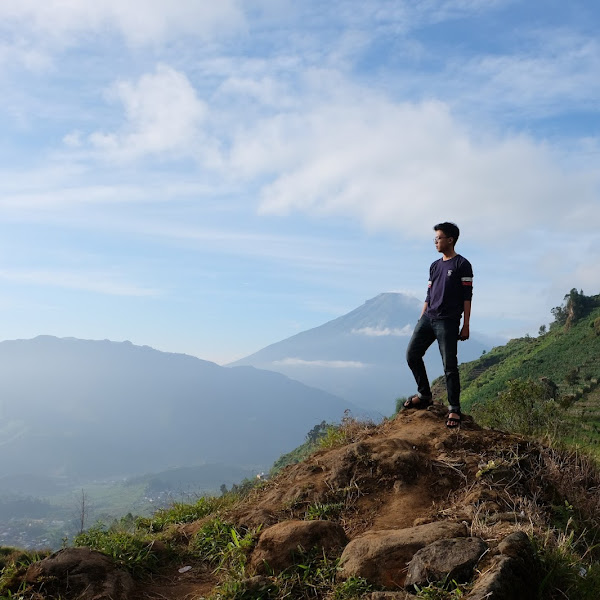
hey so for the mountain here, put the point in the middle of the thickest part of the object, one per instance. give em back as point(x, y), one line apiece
point(360, 356)
point(78, 408)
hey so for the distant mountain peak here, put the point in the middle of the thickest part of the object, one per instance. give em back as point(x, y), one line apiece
point(358, 356)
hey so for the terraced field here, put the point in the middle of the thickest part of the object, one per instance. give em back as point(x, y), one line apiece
point(567, 358)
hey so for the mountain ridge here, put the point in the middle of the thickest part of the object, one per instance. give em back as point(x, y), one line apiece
point(360, 356)
point(68, 404)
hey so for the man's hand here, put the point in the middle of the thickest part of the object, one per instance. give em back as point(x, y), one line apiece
point(464, 333)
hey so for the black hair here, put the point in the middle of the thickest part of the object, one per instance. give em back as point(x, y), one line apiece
point(449, 229)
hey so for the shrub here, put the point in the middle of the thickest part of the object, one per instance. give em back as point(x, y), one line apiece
point(348, 431)
point(320, 511)
point(524, 407)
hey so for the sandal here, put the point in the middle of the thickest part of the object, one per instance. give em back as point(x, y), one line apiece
point(417, 402)
point(453, 422)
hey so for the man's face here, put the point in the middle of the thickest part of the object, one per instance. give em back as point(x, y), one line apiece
point(442, 241)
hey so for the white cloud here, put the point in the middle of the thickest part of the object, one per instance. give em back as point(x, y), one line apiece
point(395, 165)
point(547, 70)
point(139, 21)
point(384, 331)
point(163, 115)
point(328, 364)
point(24, 54)
point(88, 281)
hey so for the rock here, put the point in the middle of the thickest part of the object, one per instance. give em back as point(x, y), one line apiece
point(513, 575)
point(278, 544)
point(399, 486)
point(81, 573)
point(445, 560)
point(381, 557)
point(516, 545)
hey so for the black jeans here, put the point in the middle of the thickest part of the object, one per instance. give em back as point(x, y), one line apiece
point(445, 331)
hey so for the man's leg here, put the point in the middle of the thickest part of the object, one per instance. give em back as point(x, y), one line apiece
point(447, 336)
point(423, 336)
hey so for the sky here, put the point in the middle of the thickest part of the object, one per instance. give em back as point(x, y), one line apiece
point(213, 177)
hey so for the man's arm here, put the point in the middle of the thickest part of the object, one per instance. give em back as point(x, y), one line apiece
point(464, 332)
point(424, 309)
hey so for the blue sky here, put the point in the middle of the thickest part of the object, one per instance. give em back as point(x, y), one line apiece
point(211, 177)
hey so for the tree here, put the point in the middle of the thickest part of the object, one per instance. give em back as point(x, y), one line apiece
point(576, 304)
point(317, 432)
point(83, 509)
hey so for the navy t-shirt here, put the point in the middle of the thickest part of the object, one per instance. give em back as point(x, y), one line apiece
point(450, 284)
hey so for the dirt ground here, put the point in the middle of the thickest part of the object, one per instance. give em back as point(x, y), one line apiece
point(407, 471)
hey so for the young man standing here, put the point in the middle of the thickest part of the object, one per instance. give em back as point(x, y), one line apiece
point(448, 297)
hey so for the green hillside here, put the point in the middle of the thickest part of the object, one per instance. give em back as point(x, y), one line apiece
point(567, 356)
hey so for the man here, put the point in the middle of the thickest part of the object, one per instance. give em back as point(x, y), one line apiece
point(448, 297)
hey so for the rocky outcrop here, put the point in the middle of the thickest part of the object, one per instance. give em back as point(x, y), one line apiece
point(279, 545)
point(382, 557)
point(80, 573)
point(445, 561)
point(513, 573)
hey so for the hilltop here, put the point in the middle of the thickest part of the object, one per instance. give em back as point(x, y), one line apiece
point(378, 511)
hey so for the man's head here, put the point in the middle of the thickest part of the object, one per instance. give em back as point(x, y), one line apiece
point(446, 236)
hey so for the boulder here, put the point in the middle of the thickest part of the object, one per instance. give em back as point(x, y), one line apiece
point(381, 557)
point(278, 544)
point(445, 561)
point(81, 573)
point(517, 545)
point(513, 575)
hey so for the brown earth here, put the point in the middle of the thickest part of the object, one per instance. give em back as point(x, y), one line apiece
point(387, 477)
point(408, 471)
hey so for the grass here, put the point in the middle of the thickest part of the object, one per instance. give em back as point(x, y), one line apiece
point(324, 511)
point(134, 552)
point(350, 430)
point(313, 576)
point(568, 567)
point(557, 355)
point(439, 591)
point(324, 437)
point(181, 512)
point(223, 545)
point(13, 564)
